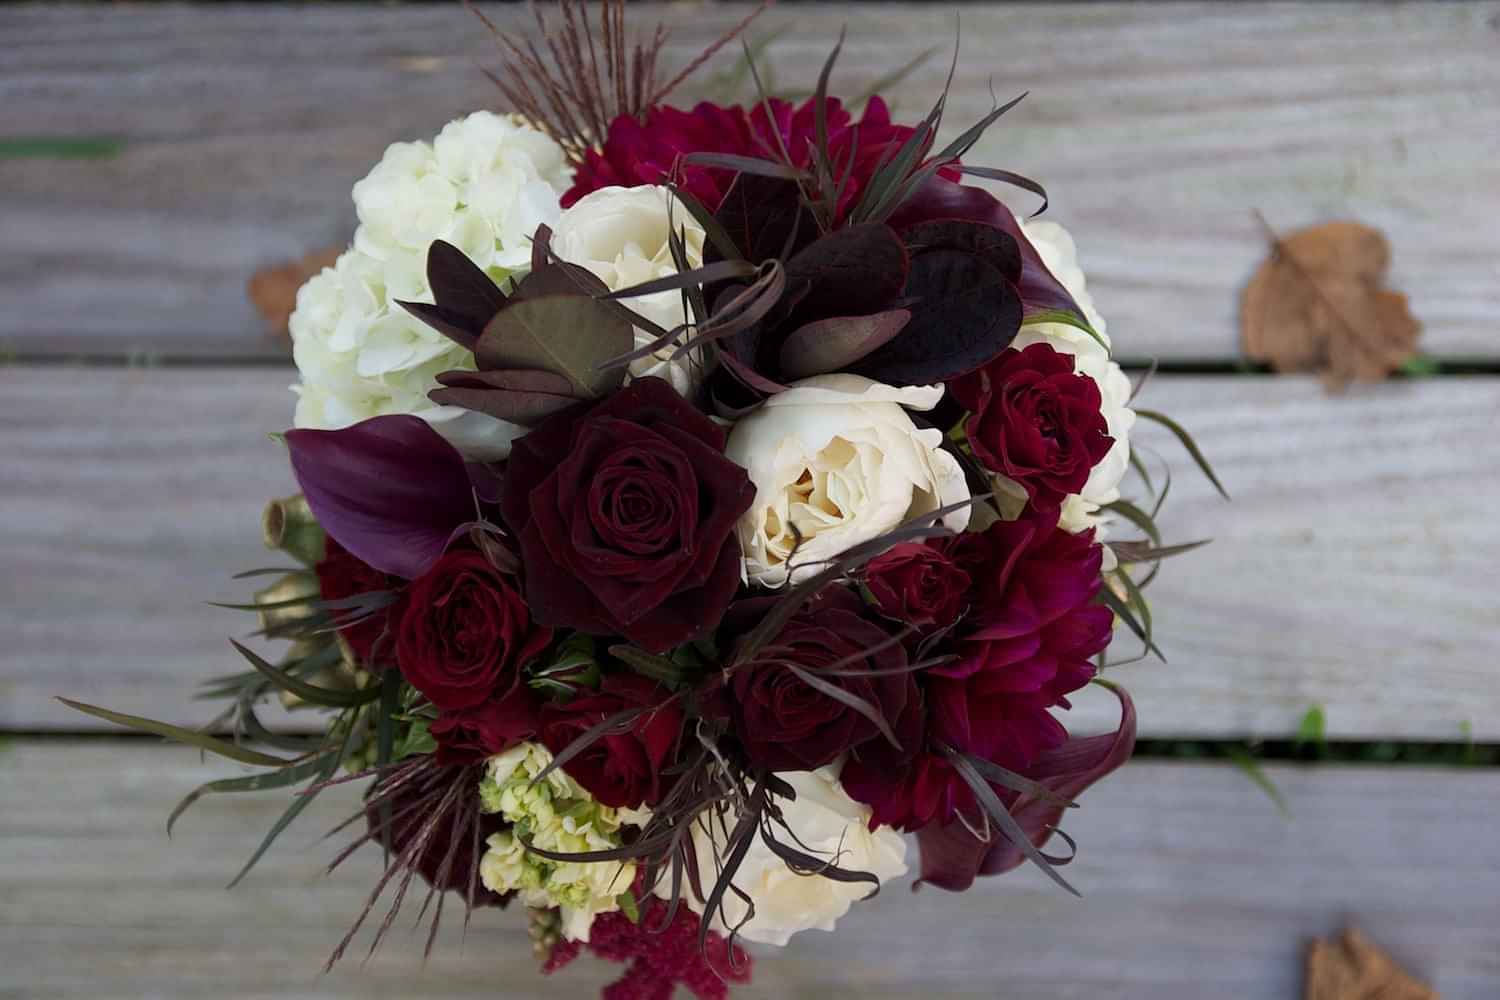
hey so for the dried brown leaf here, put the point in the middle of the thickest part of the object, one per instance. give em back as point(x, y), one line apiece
point(273, 290)
point(1351, 967)
point(1318, 304)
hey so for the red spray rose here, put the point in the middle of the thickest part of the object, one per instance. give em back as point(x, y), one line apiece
point(465, 633)
point(342, 575)
point(624, 768)
point(918, 584)
point(1035, 421)
point(627, 511)
point(470, 735)
point(787, 724)
point(636, 152)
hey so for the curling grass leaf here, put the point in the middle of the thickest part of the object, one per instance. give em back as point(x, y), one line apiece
point(178, 734)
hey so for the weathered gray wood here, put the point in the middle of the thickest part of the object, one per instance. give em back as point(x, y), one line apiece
point(1354, 568)
point(1157, 128)
point(1193, 887)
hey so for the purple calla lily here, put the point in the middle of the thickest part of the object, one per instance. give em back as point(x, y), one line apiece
point(388, 489)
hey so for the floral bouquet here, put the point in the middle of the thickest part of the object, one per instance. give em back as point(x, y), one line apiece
point(693, 505)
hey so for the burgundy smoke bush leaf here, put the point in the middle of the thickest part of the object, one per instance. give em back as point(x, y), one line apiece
point(827, 345)
point(965, 307)
point(765, 217)
point(943, 199)
point(952, 857)
point(388, 489)
point(847, 268)
point(569, 335)
point(464, 296)
point(522, 396)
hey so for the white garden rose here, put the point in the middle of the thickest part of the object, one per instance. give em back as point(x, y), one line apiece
point(484, 184)
point(620, 235)
point(823, 821)
point(1091, 358)
point(836, 460)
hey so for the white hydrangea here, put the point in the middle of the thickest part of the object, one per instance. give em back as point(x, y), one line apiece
point(484, 184)
point(555, 815)
point(1090, 357)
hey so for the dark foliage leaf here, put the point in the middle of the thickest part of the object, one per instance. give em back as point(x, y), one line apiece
point(388, 489)
point(960, 147)
point(1188, 443)
point(751, 165)
point(1012, 178)
point(848, 268)
point(833, 344)
point(460, 288)
point(1141, 552)
point(722, 270)
point(250, 783)
point(180, 735)
point(312, 693)
point(1001, 817)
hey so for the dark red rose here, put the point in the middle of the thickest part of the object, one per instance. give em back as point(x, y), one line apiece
point(469, 735)
point(465, 633)
point(625, 513)
point(342, 575)
point(1035, 421)
point(918, 585)
point(411, 806)
point(648, 152)
point(787, 724)
point(621, 769)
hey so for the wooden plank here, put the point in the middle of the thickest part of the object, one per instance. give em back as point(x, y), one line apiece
point(1157, 128)
point(1193, 886)
point(1353, 569)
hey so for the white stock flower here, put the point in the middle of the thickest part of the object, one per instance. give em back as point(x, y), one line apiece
point(837, 460)
point(484, 184)
point(620, 235)
point(1055, 246)
point(823, 821)
point(560, 816)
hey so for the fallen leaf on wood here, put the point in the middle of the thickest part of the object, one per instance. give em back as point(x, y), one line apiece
point(273, 290)
point(1318, 304)
point(1353, 968)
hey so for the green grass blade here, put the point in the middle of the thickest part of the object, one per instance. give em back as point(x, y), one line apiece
point(191, 737)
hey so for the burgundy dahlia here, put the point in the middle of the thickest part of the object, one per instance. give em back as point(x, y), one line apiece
point(647, 152)
point(785, 722)
point(1036, 421)
point(466, 633)
point(624, 767)
point(627, 512)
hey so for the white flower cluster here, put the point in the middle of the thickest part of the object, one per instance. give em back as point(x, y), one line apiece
point(484, 184)
point(555, 815)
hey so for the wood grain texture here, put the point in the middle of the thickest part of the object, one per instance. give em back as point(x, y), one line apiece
point(1157, 128)
point(1193, 887)
point(1353, 570)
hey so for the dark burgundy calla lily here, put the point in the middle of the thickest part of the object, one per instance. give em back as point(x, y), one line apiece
point(940, 199)
point(952, 857)
point(389, 489)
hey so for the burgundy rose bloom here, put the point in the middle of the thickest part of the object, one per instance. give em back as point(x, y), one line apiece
point(469, 735)
point(625, 513)
point(621, 769)
point(342, 575)
point(787, 724)
point(410, 808)
point(1035, 421)
point(465, 633)
point(637, 153)
point(918, 584)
